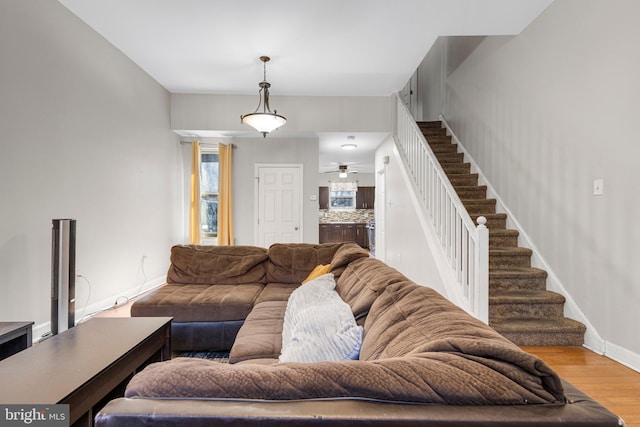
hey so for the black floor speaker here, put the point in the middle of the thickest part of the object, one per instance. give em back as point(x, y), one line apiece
point(63, 275)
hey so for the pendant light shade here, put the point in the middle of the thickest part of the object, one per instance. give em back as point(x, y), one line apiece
point(264, 121)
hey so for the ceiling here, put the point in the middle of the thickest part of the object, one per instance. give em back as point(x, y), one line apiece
point(317, 47)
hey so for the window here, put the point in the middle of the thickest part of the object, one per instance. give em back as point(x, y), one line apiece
point(342, 195)
point(209, 171)
point(345, 200)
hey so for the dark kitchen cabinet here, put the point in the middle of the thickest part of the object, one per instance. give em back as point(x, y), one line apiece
point(340, 232)
point(325, 233)
point(362, 237)
point(365, 197)
point(323, 197)
point(349, 233)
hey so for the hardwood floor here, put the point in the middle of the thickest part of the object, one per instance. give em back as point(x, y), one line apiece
point(613, 385)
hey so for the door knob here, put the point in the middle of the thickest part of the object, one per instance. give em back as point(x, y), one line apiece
point(295, 228)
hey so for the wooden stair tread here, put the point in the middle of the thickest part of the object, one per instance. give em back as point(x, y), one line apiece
point(444, 148)
point(471, 187)
point(493, 215)
point(485, 200)
point(498, 237)
point(430, 124)
point(505, 232)
point(510, 251)
point(526, 297)
point(517, 272)
point(548, 325)
point(450, 158)
point(438, 139)
point(463, 175)
point(479, 206)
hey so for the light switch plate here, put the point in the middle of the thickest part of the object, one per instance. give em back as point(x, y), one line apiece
point(598, 187)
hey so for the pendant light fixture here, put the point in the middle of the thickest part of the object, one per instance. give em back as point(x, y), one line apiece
point(264, 121)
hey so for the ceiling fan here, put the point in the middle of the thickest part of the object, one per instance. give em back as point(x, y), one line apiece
point(342, 171)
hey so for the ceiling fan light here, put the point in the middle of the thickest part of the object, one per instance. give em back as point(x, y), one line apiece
point(342, 175)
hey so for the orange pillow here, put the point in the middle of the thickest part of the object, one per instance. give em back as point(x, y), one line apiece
point(319, 270)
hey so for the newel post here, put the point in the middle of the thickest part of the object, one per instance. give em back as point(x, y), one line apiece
point(481, 294)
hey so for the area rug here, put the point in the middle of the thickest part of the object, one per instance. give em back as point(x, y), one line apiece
point(218, 356)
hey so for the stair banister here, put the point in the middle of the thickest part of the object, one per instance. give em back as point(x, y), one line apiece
point(465, 245)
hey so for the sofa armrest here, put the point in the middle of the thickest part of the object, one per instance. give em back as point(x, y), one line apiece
point(579, 411)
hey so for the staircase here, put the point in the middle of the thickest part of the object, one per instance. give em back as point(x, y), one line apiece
point(520, 306)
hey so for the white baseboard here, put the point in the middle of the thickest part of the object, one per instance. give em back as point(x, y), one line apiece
point(42, 329)
point(622, 356)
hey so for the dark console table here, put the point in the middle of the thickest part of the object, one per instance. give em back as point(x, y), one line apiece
point(14, 337)
point(85, 366)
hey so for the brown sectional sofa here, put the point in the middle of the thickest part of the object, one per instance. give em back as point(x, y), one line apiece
point(423, 361)
point(211, 290)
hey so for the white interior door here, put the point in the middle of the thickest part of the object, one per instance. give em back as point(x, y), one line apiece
point(279, 204)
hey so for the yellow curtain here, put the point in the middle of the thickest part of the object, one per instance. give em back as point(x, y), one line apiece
point(194, 206)
point(225, 196)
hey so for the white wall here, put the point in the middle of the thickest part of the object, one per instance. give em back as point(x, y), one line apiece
point(441, 59)
point(248, 153)
point(84, 133)
point(295, 143)
point(404, 245)
point(306, 115)
point(544, 114)
point(430, 82)
point(363, 179)
point(272, 150)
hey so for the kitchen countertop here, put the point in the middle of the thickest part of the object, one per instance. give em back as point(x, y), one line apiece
point(342, 222)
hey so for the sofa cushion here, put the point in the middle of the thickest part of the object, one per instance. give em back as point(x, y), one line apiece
point(220, 265)
point(276, 292)
point(292, 262)
point(453, 377)
point(344, 256)
point(260, 337)
point(362, 281)
point(318, 325)
point(408, 319)
point(199, 303)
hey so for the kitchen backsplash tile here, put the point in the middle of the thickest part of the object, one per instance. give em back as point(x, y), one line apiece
point(357, 215)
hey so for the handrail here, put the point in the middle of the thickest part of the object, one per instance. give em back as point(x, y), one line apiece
point(465, 245)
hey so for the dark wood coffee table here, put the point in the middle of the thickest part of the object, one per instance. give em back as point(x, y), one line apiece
point(85, 366)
